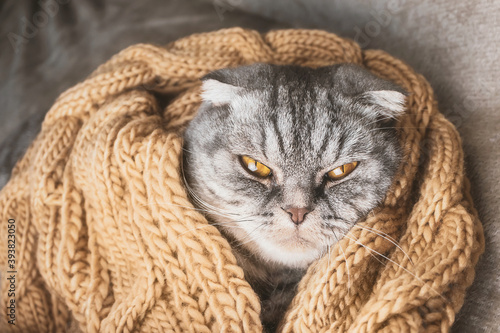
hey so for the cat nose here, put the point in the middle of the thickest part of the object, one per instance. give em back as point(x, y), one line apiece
point(297, 214)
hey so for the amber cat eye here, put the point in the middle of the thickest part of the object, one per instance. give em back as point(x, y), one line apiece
point(342, 171)
point(254, 167)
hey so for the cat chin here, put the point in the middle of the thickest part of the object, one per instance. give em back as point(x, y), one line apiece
point(296, 258)
point(295, 252)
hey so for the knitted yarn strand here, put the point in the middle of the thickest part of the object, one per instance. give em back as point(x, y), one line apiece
point(107, 240)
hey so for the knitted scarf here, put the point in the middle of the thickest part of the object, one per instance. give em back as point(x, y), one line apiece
point(106, 239)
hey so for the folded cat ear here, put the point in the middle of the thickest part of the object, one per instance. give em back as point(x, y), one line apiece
point(218, 93)
point(381, 98)
point(386, 103)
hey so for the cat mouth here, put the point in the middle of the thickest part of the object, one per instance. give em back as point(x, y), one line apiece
point(296, 239)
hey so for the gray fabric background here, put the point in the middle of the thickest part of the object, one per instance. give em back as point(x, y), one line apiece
point(75, 37)
point(455, 45)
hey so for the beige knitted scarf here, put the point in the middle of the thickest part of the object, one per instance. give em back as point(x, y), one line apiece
point(107, 240)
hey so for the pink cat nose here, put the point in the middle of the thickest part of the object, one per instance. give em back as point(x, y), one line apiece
point(297, 214)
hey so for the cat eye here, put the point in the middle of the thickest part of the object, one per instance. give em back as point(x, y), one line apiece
point(342, 171)
point(254, 167)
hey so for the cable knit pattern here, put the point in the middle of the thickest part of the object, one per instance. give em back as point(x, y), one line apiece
point(107, 239)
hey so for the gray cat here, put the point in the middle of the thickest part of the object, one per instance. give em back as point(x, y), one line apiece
point(284, 160)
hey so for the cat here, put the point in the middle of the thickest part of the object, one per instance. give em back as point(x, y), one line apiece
point(284, 160)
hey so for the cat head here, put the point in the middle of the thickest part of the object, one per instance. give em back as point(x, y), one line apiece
point(286, 159)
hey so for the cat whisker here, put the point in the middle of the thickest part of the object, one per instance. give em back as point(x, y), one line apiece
point(346, 264)
point(244, 241)
point(382, 128)
point(189, 151)
point(225, 224)
point(328, 253)
point(198, 200)
point(211, 208)
point(203, 203)
point(395, 263)
point(380, 120)
point(192, 208)
point(249, 235)
point(373, 255)
point(386, 237)
point(393, 127)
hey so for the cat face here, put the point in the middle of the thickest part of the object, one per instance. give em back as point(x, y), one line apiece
point(284, 160)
